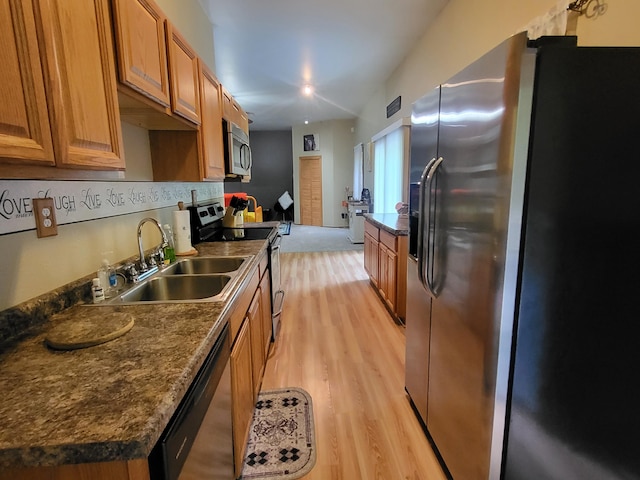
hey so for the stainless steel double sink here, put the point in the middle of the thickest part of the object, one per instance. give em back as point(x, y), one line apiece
point(189, 280)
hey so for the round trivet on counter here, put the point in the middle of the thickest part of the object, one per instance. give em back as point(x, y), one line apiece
point(72, 331)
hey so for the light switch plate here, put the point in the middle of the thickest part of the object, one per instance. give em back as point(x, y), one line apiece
point(45, 213)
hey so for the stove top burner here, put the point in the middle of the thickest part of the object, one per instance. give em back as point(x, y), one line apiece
point(235, 234)
point(206, 226)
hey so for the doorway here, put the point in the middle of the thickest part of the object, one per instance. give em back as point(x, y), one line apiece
point(310, 181)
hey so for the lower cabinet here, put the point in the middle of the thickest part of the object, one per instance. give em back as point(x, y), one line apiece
point(250, 329)
point(254, 318)
point(385, 262)
point(242, 393)
point(120, 470)
point(248, 355)
point(371, 237)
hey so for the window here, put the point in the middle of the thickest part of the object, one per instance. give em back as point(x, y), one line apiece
point(358, 171)
point(390, 167)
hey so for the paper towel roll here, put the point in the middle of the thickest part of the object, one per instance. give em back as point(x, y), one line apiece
point(182, 230)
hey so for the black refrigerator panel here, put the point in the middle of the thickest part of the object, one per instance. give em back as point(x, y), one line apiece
point(575, 392)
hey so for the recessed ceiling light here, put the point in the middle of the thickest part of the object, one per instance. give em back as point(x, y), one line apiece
point(306, 122)
point(307, 90)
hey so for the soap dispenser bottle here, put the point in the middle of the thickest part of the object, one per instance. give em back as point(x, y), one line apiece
point(97, 293)
point(170, 249)
point(108, 278)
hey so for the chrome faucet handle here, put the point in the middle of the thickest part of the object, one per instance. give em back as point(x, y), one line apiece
point(131, 273)
point(157, 257)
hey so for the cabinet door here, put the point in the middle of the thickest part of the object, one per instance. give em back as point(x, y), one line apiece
point(242, 119)
point(383, 274)
point(211, 142)
point(183, 76)
point(228, 111)
point(25, 136)
point(242, 394)
point(142, 48)
point(81, 83)
point(254, 316)
point(267, 325)
point(371, 257)
point(388, 258)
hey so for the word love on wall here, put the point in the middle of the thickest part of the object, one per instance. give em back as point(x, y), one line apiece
point(78, 201)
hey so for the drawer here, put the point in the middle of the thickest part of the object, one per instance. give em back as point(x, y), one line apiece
point(242, 302)
point(372, 230)
point(389, 240)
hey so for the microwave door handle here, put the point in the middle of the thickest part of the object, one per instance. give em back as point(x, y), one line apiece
point(245, 156)
point(421, 223)
point(250, 157)
point(431, 239)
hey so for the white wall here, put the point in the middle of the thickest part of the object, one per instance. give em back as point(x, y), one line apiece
point(193, 23)
point(336, 142)
point(464, 31)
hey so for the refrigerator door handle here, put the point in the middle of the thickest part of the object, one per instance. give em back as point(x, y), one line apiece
point(431, 222)
point(421, 223)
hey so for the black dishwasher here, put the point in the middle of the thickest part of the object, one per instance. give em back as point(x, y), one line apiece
point(198, 441)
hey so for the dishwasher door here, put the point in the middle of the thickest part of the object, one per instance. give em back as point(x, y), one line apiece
point(198, 442)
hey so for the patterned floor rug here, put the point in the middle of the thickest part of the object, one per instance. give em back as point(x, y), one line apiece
point(282, 436)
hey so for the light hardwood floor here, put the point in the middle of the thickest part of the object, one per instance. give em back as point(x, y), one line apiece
point(338, 342)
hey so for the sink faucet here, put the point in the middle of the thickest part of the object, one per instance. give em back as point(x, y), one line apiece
point(143, 263)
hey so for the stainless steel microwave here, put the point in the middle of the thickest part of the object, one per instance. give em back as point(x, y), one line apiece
point(237, 151)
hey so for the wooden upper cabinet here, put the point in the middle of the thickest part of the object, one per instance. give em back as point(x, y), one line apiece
point(24, 122)
point(142, 48)
point(211, 142)
point(81, 83)
point(58, 103)
point(183, 76)
point(233, 112)
point(227, 105)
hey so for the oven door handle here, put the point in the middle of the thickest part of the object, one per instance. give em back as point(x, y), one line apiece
point(279, 311)
point(275, 245)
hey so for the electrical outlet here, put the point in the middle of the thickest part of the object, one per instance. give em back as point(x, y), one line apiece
point(45, 214)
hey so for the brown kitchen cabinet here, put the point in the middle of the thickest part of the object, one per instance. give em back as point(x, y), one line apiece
point(254, 317)
point(120, 470)
point(233, 112)
point(242, 393)
point(59, 103)
point(387, 268)
point(158, 71)
point(193, 156)
point(210, 134)
point(385, 262)
point(142, 48)
point(248, 355)
point(184, 90)
point(371, 251)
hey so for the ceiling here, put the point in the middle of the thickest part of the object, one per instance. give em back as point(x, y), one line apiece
point(267, 50)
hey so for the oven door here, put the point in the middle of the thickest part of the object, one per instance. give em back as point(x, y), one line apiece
point(277, 294)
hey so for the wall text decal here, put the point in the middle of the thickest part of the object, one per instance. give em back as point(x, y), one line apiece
point(79, 201)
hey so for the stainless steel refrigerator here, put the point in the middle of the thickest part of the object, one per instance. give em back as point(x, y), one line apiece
point(523, 343)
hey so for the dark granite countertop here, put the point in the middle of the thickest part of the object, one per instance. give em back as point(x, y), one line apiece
point(111, 401)
point(391, 222)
